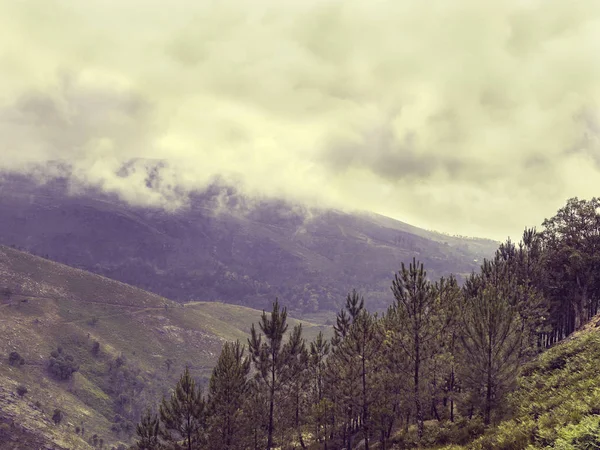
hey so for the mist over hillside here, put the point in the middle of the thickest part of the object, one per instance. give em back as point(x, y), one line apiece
point(226, 246)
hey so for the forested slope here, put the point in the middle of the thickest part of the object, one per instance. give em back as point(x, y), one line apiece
point(226, 246)
point(490, 364)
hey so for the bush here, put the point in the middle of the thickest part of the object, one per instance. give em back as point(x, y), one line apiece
point(61, 365)
point(15, 359)
point(57, 417)
point(21, 390)
point(436, 434)
point(584, 435)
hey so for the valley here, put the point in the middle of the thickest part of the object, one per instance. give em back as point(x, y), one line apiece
point(144, 341)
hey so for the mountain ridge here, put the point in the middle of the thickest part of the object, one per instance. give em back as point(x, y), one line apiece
point(228, 247)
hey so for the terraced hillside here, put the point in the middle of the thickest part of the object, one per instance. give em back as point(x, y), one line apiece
point(130, 346)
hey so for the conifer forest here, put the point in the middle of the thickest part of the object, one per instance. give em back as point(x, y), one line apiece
point(435, 368)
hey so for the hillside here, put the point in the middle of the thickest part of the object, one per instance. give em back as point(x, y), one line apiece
point(144, 342)
point(557, 403)
point(228, 247)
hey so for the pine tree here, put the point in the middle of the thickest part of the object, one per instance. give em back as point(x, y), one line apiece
point(271, 357)
point(256, 415)
point(227, 388)
point(364, 342)
point(442, 364)
point(417, 325)
point(524, 268)
point(297, 373)
point(342, 376)
point(183, 416)
point(572, 241)
point(394, 375)
point(353, 360)
point(148, 431)
point(491, 339)
point(319, 351)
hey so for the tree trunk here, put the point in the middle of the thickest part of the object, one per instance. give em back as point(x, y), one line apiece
point(418, 409)
point(452, 395)
point(488, 394)
point(189, 433)
point(298, 430)
point(271, 407)
point(365, 419)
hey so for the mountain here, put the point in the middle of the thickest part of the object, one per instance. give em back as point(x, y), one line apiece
point(228, 247)
point(130, 346)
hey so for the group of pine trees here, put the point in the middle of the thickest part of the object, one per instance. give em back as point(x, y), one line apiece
point(440, 352)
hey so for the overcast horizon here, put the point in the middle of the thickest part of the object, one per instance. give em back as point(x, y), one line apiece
point(464, 117)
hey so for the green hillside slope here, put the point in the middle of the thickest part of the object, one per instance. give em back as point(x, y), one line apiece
point(557, 405)
point(130, 346)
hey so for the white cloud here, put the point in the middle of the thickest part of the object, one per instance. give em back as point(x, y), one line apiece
point(466, 116)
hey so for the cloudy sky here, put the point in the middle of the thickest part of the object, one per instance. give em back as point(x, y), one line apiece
point(464, 116)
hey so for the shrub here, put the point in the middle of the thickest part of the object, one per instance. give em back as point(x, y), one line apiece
point(437, 434)
point(584, 435)
point(120, 361)
point(61, 365)
point(15, 359)
point(95, 348)
point(21, 390)
point(57, 417)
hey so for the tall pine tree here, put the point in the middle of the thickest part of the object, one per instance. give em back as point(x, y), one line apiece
point(271, 358)
point(491, 339)
point(183, 416)
point(417, 325)
point(227, 388)
point(148, 432)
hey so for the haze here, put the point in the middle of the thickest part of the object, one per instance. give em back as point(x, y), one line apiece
point(469, 117)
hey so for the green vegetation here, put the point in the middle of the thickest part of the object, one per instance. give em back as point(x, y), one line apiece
point(494, 363)
point(57, 417)
point(14, 359)
point(62, 365)
point(557, 404)
point(440, 367)
point(128, 360)
point(183, 416)
point(226, 395)
point(21, 390)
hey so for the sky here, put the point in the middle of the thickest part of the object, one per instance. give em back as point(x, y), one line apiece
point(464, 116)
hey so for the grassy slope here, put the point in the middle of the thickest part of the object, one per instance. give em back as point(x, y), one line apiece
point(61, 304)
point(557, 405)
